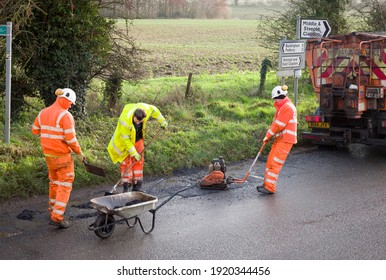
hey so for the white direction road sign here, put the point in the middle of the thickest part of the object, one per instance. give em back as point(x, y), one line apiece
point(291, 47)
point(314, 28)
point(292, 54)
point(285, 73)
point(293, 62)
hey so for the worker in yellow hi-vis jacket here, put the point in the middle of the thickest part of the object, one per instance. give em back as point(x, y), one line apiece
point(127, 144)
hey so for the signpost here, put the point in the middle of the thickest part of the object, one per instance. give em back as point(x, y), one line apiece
point(6, 31)
point(292, 54)
point(291, 60)
point(314, 28)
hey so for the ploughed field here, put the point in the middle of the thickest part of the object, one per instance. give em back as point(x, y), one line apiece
point(182, 46)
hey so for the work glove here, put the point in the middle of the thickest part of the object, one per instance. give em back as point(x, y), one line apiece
point(81, 157)
point(265, 140)
point(164, 124)
point(137, 157)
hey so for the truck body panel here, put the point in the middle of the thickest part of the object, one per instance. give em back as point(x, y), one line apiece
point(348, 73)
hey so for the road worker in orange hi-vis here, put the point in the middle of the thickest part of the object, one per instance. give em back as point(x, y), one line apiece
point(56, 128)
point(284, 130)
point(127, 144)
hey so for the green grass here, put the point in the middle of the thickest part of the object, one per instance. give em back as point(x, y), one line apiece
point(223, 116)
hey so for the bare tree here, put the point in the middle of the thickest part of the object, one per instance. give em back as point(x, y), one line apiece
point(373, 14)
point(167, 8)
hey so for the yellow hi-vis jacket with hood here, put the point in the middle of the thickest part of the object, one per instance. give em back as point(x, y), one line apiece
point(122, 143)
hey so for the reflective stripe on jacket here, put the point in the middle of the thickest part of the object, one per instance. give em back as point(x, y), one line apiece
point(285, 122)
point(122, 143)
point(56, 129)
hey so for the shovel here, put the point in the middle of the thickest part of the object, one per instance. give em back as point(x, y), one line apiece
point(99, 171)
point(112, 191)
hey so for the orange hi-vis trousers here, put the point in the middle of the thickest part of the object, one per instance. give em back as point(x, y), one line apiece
point(135, 173)
point(275, 161)
point(61, 175)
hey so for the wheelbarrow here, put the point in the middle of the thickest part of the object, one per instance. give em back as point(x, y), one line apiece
point(126, 207)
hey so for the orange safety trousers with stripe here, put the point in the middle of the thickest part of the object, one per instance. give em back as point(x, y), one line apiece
point(61, 175)
point(135, 173)
point(276, 158)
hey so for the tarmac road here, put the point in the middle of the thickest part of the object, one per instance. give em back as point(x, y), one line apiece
point(330, 205)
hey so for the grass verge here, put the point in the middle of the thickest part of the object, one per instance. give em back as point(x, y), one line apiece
point(222, 116)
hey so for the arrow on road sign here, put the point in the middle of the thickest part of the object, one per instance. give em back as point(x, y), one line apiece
point(327, 28)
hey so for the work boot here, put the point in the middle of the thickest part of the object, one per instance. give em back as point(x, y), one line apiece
point(138, 186)
point(62, 224)
point(263, 190)
point(126, 187)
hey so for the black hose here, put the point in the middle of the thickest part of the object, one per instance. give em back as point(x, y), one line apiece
point(167, 200)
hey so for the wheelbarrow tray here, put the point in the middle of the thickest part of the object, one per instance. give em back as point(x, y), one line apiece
point(116, 204)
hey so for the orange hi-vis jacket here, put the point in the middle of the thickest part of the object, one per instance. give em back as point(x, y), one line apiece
point(55, 126)
point(284, 125)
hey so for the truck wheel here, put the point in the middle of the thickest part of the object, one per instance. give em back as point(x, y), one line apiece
point(104, 230)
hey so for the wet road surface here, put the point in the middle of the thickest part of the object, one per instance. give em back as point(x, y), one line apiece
point(330, 205)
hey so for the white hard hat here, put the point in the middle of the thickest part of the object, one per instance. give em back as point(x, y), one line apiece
point(69, 94)
point(279, 90)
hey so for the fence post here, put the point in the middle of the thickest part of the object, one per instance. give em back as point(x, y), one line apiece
point(188, 85)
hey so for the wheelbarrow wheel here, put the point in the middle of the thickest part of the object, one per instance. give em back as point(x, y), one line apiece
point(104, 230)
